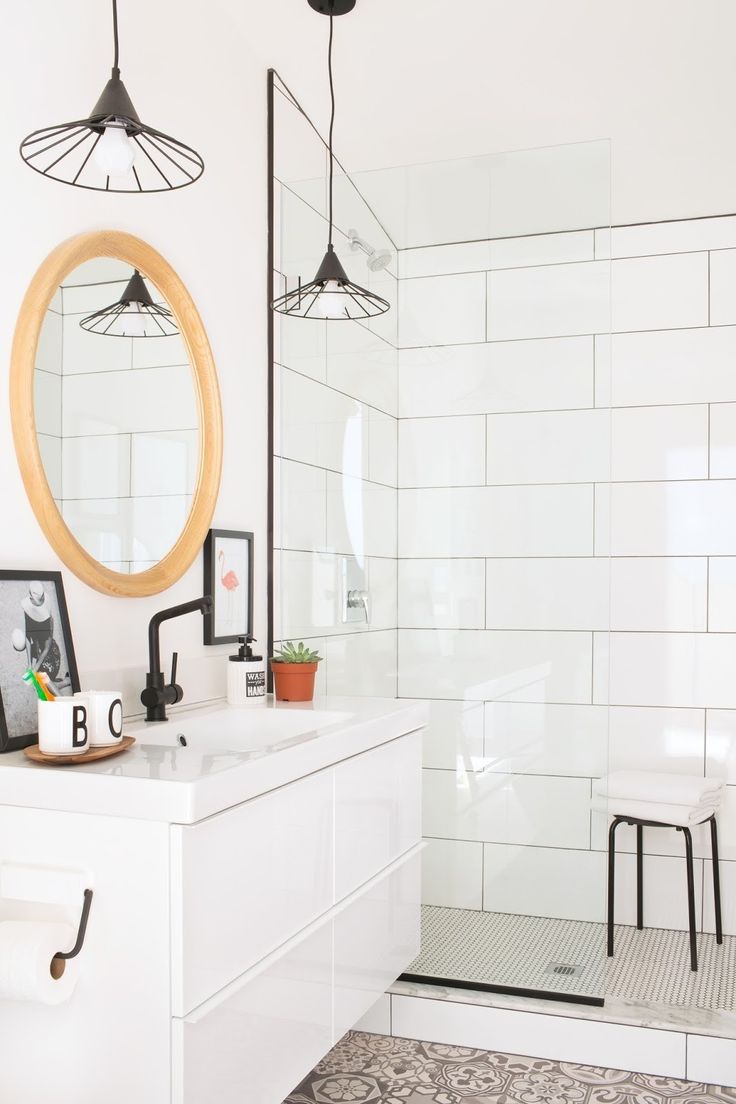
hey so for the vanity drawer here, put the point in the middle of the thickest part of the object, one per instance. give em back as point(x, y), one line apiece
point(378, 812)
point(257, 1040)
point(376, 937)
point(244, 881)
point(265, 1033)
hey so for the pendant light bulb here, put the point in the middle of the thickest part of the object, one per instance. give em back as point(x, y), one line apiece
point(115, 153)
point(134, 321)
point(331, 301)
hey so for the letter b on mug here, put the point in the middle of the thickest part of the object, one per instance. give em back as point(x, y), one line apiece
point(63, 727)
point(80, 735)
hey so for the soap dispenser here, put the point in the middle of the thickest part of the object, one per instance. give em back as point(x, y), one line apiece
point(246, 675)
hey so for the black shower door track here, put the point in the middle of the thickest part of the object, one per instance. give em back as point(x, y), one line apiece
point(503, 990)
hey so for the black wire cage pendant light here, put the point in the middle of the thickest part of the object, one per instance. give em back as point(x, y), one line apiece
point(112, 150)
point(331, 294)
point(133, 315)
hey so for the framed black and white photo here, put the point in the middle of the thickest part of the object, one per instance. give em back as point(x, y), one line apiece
point(228, 577)
point(35, 633)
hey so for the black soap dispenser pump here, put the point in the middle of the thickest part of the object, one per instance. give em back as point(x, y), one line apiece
point(246, 675)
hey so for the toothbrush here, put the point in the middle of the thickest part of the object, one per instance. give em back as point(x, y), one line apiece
point(31, 678)
point(43, 678)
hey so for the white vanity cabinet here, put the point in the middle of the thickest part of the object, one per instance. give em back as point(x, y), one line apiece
point(293, 913)
point(227, 954)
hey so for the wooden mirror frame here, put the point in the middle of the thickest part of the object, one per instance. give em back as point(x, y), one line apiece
point(58, 265)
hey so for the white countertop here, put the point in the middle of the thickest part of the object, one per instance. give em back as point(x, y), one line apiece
point(231, 755)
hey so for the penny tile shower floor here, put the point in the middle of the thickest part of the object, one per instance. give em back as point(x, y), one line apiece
point(363, 1069)
point(523, 951)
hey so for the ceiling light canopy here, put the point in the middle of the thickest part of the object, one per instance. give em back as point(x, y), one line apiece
point(331, 294)
point(134, 315)
point(112, 150)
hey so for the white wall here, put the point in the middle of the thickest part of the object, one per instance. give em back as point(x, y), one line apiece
point(516, 481)
point(209, 89)
point(425, 81)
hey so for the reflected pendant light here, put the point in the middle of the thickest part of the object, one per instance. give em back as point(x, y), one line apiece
point(331, 294)
point(134, 315)
point(112, 150)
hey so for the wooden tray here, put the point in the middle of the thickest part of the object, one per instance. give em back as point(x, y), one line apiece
point(90, 756)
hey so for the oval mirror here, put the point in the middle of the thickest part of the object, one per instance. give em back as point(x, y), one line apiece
point(116, 413)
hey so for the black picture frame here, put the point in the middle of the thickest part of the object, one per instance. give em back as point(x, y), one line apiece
point(18, 713)
point(216, 579)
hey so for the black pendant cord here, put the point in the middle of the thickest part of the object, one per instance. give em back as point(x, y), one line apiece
point(115, 66)
point(332, 120)
point(331, 295)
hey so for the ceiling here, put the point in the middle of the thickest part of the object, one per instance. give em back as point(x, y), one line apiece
point(424, 80)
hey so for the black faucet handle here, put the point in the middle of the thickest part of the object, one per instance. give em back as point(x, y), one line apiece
point(173, 692)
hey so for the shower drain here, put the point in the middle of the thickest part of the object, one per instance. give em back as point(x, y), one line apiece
point(564, 969)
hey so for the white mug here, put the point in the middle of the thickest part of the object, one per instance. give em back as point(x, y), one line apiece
point(105, 716)
point(62, 726)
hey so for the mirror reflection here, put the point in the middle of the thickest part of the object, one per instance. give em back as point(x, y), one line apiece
point(116, 413)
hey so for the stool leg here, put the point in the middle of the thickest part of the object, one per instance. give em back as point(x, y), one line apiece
point(611, 878)
point(716, 879)
point(639, 877)
point(691, 897)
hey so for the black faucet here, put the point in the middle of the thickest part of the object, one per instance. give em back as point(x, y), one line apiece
point(157, 695)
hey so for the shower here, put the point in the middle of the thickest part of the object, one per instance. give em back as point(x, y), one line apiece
point(377, 259)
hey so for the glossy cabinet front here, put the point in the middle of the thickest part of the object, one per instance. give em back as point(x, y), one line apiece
point(255, 1043)
point(378, 814)
point(244, 881)
point(257, 1040)
point(375, 938)
point(291, 914)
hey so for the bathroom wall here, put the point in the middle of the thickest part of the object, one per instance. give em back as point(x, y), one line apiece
point(517, 481)
point(336, 446)
point(213, 234)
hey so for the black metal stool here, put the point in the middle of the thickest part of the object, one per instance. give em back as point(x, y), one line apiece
point(640, 826)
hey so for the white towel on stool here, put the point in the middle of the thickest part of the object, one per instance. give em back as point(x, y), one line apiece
point(651, 788)
point(686, 816)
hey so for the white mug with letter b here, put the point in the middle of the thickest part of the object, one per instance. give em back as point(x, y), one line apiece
point(62, 726)
point(105, 716)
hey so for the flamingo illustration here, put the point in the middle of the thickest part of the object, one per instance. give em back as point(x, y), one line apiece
point(231, 582)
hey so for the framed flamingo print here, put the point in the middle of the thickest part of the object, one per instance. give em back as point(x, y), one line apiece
point(228, 577)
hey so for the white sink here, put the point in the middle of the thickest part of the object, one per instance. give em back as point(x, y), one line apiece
point(207, 758)
point(267, 727)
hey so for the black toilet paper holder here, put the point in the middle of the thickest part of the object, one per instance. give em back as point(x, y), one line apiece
point(82, 929)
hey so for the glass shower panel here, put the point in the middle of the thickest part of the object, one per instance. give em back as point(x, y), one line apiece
point(451, 460)
point(504, 460)
point(335, 448)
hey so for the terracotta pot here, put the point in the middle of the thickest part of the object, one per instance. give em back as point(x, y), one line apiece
point(293, 681)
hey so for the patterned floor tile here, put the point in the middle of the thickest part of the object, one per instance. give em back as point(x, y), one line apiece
point(364, 1068)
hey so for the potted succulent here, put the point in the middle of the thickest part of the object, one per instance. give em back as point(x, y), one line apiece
point(294, 668)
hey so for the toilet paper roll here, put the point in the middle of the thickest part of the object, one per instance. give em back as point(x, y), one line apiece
point(28, 970)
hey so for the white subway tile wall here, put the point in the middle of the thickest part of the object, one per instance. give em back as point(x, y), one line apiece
point(533, 445)
point(474, 458)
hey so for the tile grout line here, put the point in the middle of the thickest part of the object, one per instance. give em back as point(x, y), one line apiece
point(535, 411)
point(561, 263)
